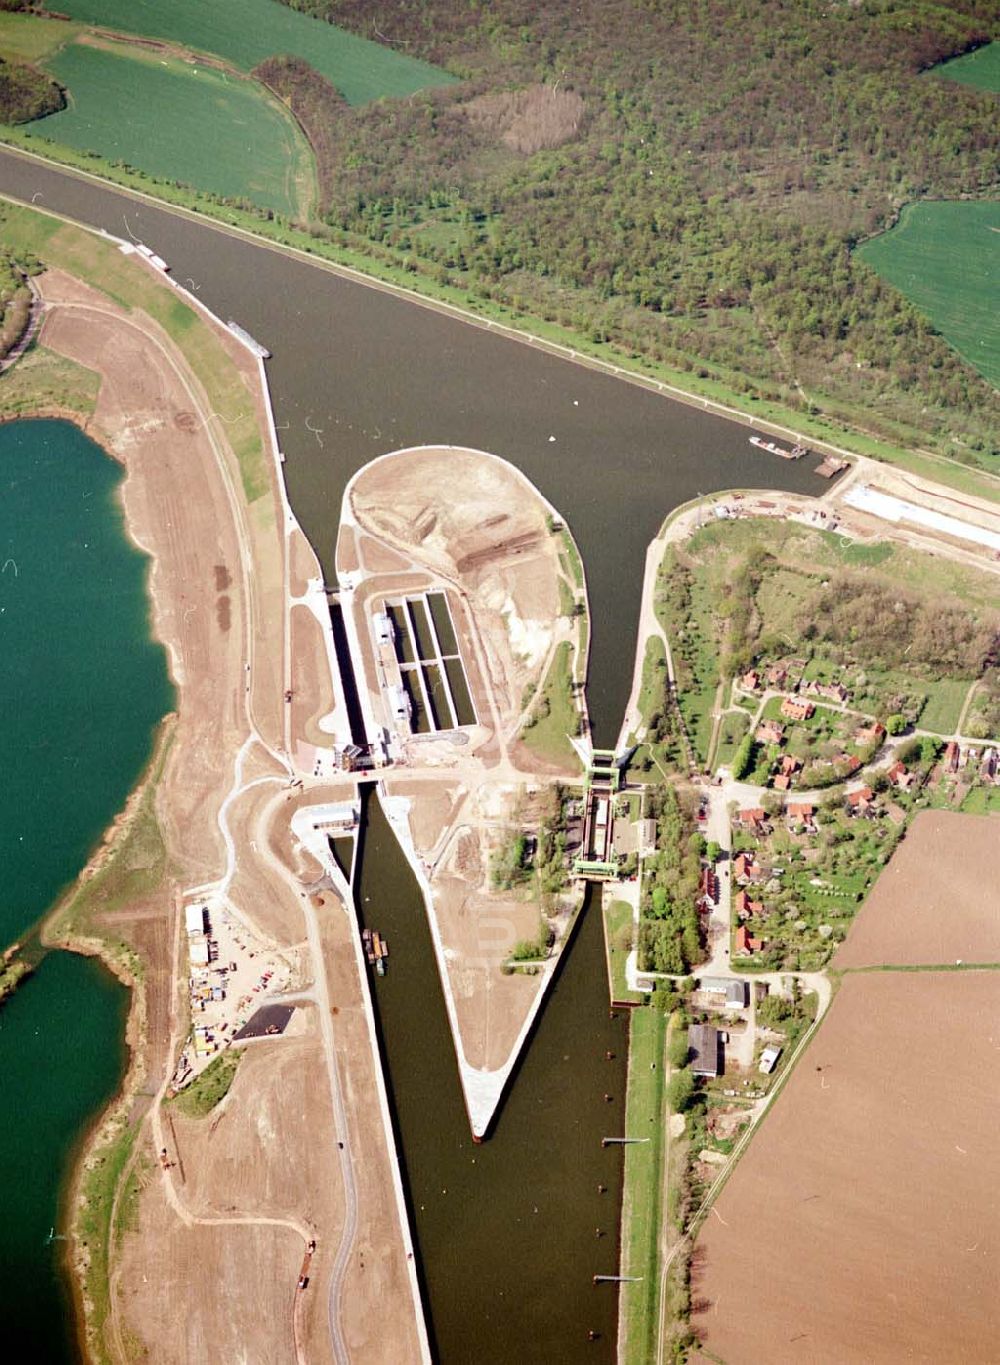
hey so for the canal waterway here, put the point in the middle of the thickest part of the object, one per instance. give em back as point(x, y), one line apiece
point(81, 687)
point(356, 372)
point(507, 1230)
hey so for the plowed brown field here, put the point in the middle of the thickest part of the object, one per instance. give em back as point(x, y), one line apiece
point(863, 1223)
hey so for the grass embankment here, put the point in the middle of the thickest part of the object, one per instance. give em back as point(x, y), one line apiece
point(42, 381)
point(618, 934)
point(554, 716)
point(208, 1089)
point(130, 284)
point(642, 1200)
point(133, 866)
point(942, 256)
point(216, 132)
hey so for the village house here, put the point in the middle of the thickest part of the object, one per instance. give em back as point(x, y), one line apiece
point(743, 867)
point(952, 756)
point(745, 907)
point(989, 766)
point(710, 885)
point(795, 708)
point(831, 691)
point(869, 734)
point(750, 681)
point(861, 801)
point(770, 732)
point(800, 813)
point(785, 771)
point(900, 776)
point(745, 942)
point(754, 819)
point(777, 676)
point(847, 764)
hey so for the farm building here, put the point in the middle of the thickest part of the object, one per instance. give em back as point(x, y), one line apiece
point(704, 1050)
point(769, 1059)
point(734, 990)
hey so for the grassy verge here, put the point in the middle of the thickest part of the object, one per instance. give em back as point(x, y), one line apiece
point(42, 381)
point(208, 1089)
point(735, 725)
point(554, 716)
point(618, 930)
point(102, 1171)
point(131, 285)
point(654, 679)
point(133, 866)
point(380, 263)
point(645, 1116)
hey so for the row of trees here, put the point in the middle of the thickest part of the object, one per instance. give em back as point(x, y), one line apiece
point(669, 938)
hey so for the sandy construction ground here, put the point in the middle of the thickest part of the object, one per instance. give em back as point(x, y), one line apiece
point(863, 1223)
point(186, 1286)
point(470, 526)
point(936, 901)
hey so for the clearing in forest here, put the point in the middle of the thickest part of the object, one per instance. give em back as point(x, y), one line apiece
point(247, 32)
point(184, 122)
point(942, 256)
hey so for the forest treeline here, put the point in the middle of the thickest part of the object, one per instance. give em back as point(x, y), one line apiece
point(27, 93)
point(729, 156)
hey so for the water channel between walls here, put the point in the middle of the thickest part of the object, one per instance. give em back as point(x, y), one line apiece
point(508, 1231)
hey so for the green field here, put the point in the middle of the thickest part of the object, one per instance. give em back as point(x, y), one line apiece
point(943, 257)
point(181, 122)
point(980, 69)
point(246, 32)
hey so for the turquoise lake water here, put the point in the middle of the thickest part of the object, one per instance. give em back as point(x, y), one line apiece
point(82, 687)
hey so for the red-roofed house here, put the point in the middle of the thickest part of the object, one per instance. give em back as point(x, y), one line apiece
point(800, 812)
point(848, 764)
point(745, 942)
point(952, 755)
point(870, 734)
point(777, 675)
point(745, 907)
point(900, 776)
point(860, 800)
point(831, 691)
point(794, 708)
point(754, 818)
point(770, 732)
point(743, 867)
point(750, 680)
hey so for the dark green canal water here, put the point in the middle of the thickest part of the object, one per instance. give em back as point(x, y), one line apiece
point(370, 372)
point(81, 688)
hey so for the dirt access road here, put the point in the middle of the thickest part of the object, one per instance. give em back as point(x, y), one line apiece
point(212, 1261)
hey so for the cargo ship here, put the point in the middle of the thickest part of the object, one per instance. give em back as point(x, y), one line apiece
point(376, 949)
point(795, 453)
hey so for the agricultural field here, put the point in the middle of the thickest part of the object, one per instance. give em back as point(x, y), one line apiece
point(980, 69)
point(942, 256)
point(184, 122)
point(247, 32)
point(929, 905)
point(869, 1185)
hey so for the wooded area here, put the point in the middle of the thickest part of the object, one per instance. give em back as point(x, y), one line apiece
point(26, 93)
point(728, 157)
